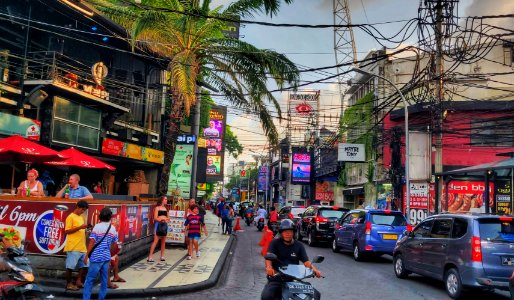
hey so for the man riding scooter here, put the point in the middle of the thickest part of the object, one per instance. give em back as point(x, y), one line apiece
point(261, 216)
point(288, 252)
point(273, 220)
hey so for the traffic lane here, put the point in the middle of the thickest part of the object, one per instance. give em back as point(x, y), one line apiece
point(375, 279)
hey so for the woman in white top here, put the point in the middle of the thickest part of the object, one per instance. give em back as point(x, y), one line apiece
point(31, 184)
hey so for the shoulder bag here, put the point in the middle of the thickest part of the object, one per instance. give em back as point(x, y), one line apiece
point(99, 242)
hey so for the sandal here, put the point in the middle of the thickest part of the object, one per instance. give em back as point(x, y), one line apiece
point(163, 259)
point(118, 280)
point(113, 286)
point(150, 260)
point(72, 287)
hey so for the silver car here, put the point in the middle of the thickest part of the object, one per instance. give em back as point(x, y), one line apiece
point(463, 250)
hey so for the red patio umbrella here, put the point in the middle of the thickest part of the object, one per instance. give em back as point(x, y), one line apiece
point(18, 149)
point(79, 159)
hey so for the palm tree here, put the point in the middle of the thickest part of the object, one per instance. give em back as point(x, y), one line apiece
point(190, 35)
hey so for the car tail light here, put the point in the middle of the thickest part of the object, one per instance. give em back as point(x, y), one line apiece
point(368, 248)
point(368, 227)
point(476, 249)
point(321, 220)
point(387, 211)
point(409, 227)
point(290, 216)
point(505, 219)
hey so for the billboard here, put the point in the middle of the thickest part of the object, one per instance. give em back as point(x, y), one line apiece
point(181, 170)
point(301, 170)
point(214, 143)
point(463, 196)
point(261, 183)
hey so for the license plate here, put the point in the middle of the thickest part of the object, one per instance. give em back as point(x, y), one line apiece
point(507, 261)
point(389, 236)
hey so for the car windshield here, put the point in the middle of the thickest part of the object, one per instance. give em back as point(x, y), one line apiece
point(329, 213)
point(388, 219)
point(297, 210)
point(497, 230)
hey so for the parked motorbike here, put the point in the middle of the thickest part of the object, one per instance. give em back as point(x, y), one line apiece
point(17, 277)
point(292, 276)
point(248, 218)
point(260, 224)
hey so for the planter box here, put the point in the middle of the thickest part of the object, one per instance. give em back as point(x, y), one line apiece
point(137, 188)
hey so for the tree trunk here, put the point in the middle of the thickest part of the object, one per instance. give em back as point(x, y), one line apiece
point(170, 143)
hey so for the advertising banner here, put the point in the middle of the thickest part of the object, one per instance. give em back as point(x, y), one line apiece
point(419, 201)
point(15, 125)
point(42, 223)
point(181, 170)
point(261, 183)
point(214, 143)
point(464, 196)
point(503, 198)
point(301, 170)
point(325, 191)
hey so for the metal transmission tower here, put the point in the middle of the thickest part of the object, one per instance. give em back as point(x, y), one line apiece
point(344, 46)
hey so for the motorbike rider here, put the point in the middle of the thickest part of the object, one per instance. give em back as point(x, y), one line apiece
point(273, 219)
point(261, 214)
point(288, 252)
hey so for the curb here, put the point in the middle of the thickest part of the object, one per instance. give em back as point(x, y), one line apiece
point(172, 290)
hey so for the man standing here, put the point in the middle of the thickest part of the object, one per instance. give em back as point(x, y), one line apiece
point(288, 252)
point(73, 190)
point(75, 247)
point(102, 237)
point(219, 209)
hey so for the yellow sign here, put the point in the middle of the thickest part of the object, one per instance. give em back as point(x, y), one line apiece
point(153, 155)
point(133, 151)
point(201, 186)
point(202, 143)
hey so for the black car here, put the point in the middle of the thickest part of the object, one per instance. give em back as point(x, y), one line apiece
point(317, 223)
point(291, 212)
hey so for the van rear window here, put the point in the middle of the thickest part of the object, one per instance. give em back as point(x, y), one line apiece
point(496, 230)
point(388, 219)
point(328, 213)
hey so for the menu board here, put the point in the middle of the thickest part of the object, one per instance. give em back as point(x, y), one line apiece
point(176, 234)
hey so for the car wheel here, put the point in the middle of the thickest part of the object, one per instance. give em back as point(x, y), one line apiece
point(335, 247)
point(357, 254)
point(311, 240)
point(399, 267)
point(298, 235)
point(453, 284)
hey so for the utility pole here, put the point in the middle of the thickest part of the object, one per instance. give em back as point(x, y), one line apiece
point(439, 73)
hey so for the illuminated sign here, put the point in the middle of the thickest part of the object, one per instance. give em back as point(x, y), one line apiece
point(301, 169)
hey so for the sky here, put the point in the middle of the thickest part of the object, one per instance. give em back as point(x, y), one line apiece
point(312, 48)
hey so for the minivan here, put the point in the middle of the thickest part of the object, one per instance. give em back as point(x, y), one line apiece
point(463, 250)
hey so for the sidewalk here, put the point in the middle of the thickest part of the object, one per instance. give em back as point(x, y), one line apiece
point(175, 275)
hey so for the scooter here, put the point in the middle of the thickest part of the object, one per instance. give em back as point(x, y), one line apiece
point(248, 219)
point(292, 276)
point(260, 224)
point(18, 283)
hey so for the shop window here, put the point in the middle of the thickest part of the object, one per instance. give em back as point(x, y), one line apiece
point(75, 124)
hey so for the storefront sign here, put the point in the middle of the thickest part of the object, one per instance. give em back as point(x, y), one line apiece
point(15, 125)
point(464, 196)
point(179, 182)
point(503, 198)
point(133, 151)
point(419, 201)
point(351, 152)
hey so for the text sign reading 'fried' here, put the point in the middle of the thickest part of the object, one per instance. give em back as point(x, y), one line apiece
point(351, 152)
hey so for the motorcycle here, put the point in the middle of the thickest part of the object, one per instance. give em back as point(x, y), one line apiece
point(248, 219)
point(292, 276)
point(19, 282)
point(260, 224)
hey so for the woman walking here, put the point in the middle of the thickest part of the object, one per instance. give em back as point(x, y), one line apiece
point(160, 215)
point(230, 218)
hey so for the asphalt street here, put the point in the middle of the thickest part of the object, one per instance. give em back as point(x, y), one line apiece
point(344, 277)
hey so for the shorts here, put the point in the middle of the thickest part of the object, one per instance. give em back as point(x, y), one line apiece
point(193, 236)
point(75, 259)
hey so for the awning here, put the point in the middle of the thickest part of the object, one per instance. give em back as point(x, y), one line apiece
point(353, 191)
point(497, 165)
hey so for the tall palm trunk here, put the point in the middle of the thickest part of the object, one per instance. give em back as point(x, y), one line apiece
point(170, 142)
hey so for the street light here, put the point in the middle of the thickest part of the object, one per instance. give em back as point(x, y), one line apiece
point(407, 152)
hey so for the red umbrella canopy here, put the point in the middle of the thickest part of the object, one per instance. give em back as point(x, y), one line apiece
point(16, 148)
point(81, 160)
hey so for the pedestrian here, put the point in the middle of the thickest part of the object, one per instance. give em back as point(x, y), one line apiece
point(73, 190)
point(224, 219)
point(219, 208)
point(31, 187)
point(230, 218)
point(114, 266)
point(101, 239)
point(160, 215)
point(194, 224)
point(75, 247)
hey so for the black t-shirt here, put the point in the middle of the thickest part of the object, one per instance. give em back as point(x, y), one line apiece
point(287, 254)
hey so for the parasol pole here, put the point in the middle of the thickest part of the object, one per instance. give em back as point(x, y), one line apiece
point(12, 178)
